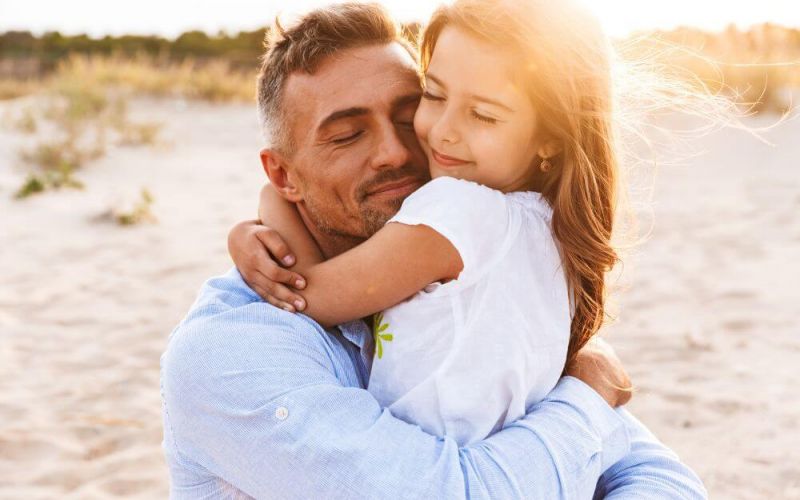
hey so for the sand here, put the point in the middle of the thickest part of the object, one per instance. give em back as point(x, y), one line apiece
point(707, 325)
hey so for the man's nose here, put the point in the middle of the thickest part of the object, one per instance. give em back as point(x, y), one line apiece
point(391, 151)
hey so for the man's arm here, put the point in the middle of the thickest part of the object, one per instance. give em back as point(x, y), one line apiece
point(270, 411)
point(649, 470)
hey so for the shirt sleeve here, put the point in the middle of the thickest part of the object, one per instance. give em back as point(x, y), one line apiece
point(474, 218)
point(649, 470)
point(264, 409)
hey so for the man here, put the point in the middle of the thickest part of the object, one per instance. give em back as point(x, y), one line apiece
point(259, 402)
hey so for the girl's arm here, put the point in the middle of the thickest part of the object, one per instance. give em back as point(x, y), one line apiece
point(282, 216)
point(398, 261)
point(395, 263)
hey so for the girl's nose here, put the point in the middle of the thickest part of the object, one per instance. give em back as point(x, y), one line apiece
point(445, 130)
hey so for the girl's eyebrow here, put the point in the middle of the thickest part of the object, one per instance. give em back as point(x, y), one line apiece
point(476, 97)
point(437, 81)
point(492, 102)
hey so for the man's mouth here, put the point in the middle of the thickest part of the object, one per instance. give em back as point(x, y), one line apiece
point(400, 187)
point(447, 161)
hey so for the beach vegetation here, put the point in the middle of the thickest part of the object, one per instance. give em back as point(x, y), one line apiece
point(141, 211)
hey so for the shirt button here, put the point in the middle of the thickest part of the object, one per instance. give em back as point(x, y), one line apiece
point(281, 413)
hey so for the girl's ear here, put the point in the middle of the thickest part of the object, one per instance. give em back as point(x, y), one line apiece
point(550, 148)
point(279, 176)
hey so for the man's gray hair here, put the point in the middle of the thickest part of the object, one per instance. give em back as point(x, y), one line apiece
point(304, 45)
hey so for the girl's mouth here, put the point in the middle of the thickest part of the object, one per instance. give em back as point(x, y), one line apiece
point(447, 161)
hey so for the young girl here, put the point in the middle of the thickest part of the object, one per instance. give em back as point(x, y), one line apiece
point(492, 275)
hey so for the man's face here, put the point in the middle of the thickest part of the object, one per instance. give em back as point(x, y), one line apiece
point(356, 156)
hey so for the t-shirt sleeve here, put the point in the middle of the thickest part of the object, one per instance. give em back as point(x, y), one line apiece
point(474, 218)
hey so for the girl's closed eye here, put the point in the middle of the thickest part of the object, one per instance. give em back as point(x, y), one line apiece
point(483, 118)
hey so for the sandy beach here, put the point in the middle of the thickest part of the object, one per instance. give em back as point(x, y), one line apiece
point(707, 323)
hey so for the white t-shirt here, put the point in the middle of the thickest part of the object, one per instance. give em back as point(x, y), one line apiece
point(466, 357)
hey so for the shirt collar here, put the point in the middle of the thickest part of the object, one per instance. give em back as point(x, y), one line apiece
point(358, 333)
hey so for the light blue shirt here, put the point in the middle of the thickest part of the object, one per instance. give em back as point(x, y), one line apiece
point(258, 402)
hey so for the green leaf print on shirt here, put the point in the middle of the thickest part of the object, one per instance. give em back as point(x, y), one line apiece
point(378, 332)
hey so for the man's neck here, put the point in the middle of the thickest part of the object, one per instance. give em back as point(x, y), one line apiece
point(330, 244)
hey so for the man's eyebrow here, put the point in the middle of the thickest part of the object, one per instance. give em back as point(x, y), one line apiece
point(487, 100)
point(341, 114)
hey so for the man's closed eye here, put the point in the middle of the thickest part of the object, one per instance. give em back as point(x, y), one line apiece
point(348, 138)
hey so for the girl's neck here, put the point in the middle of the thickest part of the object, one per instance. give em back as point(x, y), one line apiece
point(532, 180)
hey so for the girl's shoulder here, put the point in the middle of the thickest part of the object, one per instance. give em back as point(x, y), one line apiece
point(452, 187)
point(475, 219)
point(464, 199)
point(453, 200)
point(532, 203)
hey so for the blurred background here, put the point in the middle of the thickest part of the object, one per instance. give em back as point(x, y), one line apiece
point(129, 146)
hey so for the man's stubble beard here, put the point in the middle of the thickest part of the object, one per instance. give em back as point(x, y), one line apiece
point(370, 219)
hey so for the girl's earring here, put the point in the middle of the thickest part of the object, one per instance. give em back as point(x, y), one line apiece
point(545, 166)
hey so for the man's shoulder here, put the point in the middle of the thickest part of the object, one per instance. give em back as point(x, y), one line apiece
point(227, 293)
point(230, 328)
point(234, 359)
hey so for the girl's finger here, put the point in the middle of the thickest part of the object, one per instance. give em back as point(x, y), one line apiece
point(261, 287)
point(276, 273)
point(260, 291)
point(280, 305)
point(264, 294)
point(276, 246)
point(283, 294)
point(253, 280)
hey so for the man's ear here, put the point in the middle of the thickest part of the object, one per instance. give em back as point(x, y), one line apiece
point(279, 176)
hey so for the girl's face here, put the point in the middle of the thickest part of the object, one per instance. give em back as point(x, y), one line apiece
point(475, 121)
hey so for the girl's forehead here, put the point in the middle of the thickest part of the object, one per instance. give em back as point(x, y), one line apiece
point(461, 61)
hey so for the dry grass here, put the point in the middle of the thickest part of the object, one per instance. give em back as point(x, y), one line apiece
point(26, 122)
point(79, 116)
point(211, 81)
point(63, 154)
point(139, 134)
point(138, 212)
point(85, 105)
point(49, 179)
point(11, 88)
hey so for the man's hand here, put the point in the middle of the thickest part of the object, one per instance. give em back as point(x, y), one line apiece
point(598, 366)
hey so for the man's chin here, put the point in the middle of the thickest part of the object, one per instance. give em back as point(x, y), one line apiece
point(376, 213)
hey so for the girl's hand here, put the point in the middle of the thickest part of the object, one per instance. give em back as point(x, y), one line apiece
point(598, 366)
point(257, 251)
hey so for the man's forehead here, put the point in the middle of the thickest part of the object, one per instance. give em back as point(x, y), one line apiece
point(357, 77)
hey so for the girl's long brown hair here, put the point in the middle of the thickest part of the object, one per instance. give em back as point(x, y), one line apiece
point(565, 59)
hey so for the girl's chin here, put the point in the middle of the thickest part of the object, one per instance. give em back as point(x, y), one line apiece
point(457, 173)
point(449, 172)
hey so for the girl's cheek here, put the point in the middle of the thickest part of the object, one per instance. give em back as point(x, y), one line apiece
point(422, 123)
